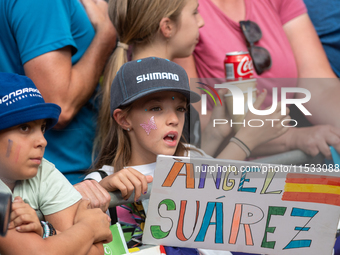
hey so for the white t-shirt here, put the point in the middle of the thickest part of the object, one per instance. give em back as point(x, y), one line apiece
point(47, 193)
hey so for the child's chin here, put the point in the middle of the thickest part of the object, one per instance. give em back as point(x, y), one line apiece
point(31, 173)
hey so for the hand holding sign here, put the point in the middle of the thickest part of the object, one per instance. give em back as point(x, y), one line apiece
point(127, 180)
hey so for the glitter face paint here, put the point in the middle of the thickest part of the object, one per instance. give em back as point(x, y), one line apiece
point(9, 148)
point(149, 126)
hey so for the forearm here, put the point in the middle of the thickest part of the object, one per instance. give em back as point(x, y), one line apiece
point(315, 76)
point(209, 143)
point(270, 148)
point(85, 75)
point(232, 151)
point(76, 240)
point(95, 249)
point(71, 86)
point(324, 103)
point(212, 140)
point(275, 146)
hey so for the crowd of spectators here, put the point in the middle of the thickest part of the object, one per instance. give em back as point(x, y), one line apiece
point(72, 50)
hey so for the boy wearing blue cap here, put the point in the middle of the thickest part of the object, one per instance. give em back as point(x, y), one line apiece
point(24, 117)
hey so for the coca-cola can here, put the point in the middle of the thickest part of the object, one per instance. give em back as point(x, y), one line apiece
point(238, 66)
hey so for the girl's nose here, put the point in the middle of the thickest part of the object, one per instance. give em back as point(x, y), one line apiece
point(172, 118)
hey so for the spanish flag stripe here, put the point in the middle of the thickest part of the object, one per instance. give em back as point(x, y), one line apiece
point(313, 179)
point(312, 188)
point(322, 198)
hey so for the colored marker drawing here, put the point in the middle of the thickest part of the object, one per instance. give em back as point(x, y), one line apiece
point(312, 188)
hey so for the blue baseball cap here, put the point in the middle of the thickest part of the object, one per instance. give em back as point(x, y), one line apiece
point(21, 102)
point(138, 78)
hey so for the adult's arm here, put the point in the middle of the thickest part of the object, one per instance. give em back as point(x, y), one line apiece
point(316, 75)
point(71, 86)
point(312, 63)
point(211, 137)
point(92, 190)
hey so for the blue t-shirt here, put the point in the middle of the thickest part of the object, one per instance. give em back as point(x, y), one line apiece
point(32, 28)
point(325, 15)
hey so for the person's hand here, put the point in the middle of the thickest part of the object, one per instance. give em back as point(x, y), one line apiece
point(221, 112)
point(254, 136)
point(127, 180)
point(315, 140)
point(24, 218)
point(97, 11)
point(92, 190)
point(96, 220)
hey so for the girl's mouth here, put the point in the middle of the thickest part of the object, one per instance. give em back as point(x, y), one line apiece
point(171, 138)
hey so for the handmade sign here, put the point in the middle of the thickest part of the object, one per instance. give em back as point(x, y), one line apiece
point(243, 206)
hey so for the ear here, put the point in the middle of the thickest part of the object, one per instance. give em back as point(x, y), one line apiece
point(167, 27)
point(120, 117)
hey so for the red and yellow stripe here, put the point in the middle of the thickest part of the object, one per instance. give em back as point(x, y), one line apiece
point(312, 188)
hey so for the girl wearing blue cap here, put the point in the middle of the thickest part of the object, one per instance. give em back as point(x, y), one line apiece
point(67, 226)
point(149, 98)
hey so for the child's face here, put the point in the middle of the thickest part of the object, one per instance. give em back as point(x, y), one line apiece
point(186, 35)
point(156, 127)
point(21, 150)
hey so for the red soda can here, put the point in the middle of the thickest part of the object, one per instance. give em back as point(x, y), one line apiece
point(238, 66)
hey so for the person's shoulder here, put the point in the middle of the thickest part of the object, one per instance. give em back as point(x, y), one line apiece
point(45, 164)
point(287, 6)
point(47, 170)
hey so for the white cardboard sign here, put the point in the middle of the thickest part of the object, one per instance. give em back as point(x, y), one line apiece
point(243, 206)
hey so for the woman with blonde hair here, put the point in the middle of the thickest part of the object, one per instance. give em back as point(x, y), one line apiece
point(161, 28)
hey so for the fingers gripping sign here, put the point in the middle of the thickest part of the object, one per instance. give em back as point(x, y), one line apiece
point(127, 180)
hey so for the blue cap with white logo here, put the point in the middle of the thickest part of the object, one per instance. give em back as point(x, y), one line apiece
point(21, 102)
point(136, 79)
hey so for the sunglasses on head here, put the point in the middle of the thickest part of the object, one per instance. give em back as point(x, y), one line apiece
point(261, 57)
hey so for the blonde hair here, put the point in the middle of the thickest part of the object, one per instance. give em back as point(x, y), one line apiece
point(136, 22)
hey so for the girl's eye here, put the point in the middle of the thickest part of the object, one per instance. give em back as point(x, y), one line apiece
point(155, 109)
point(182, 109)
point(196, 12)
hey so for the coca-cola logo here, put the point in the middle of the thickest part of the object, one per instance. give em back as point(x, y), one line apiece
point(245, 66)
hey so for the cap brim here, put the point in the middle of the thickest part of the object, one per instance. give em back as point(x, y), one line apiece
point(47, 111)
point(192, 97)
